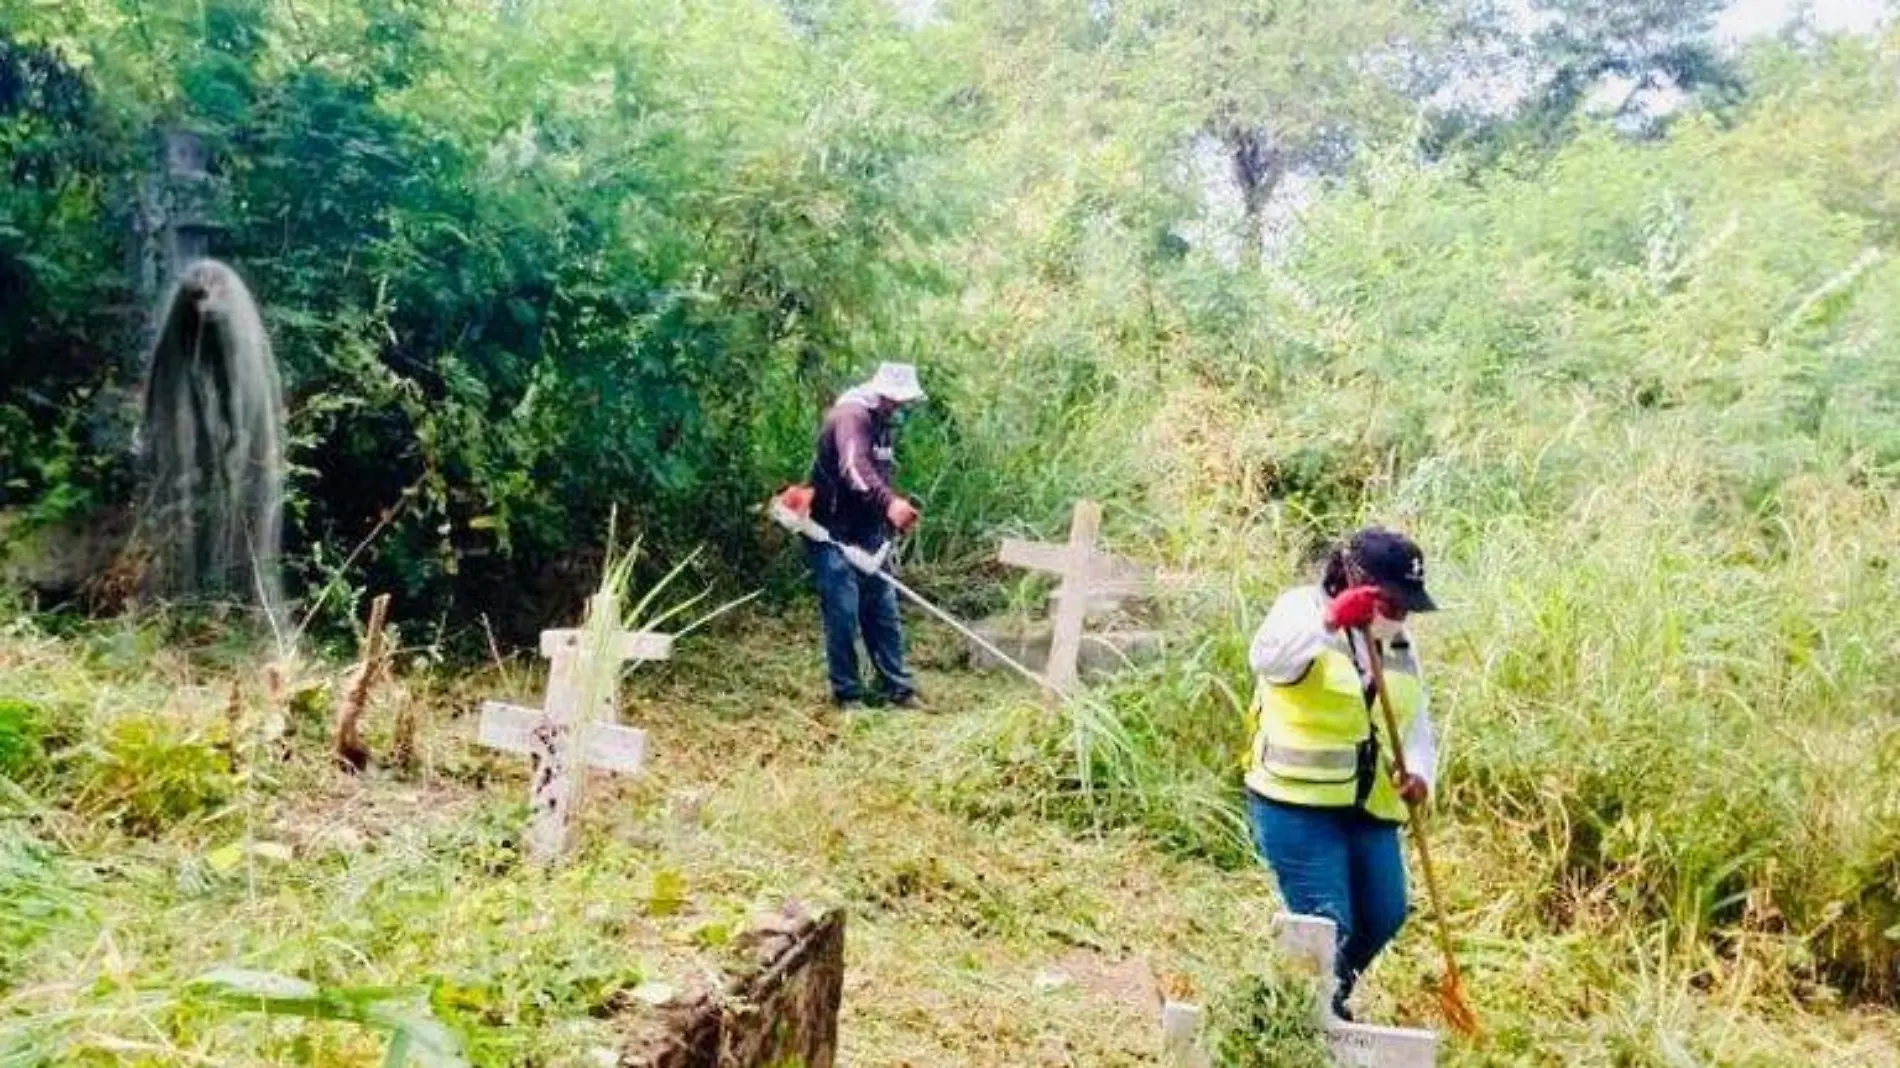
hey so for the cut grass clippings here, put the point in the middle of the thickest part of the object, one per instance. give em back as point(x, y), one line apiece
point(979, 934)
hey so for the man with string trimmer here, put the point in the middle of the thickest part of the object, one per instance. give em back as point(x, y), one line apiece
point(851, 496)
point(791, 509)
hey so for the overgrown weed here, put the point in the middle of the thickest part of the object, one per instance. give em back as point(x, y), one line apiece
point(964, 893)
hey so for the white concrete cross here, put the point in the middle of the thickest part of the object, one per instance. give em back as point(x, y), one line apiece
point(543, 733)
point(1088, 577)
point(1311, 941)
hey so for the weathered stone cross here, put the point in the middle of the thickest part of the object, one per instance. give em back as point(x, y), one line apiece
point(543, 734)
point(1088, 577)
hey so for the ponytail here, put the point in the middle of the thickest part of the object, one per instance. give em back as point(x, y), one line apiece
point(1335, 578)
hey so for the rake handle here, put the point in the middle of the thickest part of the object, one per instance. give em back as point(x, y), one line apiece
point(1374, 660)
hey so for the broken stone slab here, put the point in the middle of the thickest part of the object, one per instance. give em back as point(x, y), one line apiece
point(687, 808)
point(784, 1011)
point(1102, 653)
point(58, 560)
point(1181, 1036)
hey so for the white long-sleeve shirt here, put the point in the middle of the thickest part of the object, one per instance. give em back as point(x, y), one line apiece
point(1294, 635)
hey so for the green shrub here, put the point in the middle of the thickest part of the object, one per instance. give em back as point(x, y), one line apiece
point(1859, 935)
point(144, 776)
point(1264, 1022)
point(1157, 746)
point(36, 893)
point(25, 732)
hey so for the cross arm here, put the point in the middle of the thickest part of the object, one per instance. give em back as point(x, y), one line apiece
point(1122, 575)
point(607, 745)
point(626, 645)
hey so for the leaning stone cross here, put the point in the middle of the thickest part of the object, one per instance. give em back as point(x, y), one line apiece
point(1310, 941)
point(1087, 575)
point(545, 734)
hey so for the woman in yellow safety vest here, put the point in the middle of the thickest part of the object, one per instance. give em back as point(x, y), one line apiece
point(1324, 805)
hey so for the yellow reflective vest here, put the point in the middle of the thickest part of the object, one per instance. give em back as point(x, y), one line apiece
point(1317, 743)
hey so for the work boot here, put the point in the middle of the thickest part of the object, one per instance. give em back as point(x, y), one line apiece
point(1340, 1009)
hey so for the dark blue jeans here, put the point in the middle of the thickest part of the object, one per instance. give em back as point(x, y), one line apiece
point(1338, 863)
point(853, 602)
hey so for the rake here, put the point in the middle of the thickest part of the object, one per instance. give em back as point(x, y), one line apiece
point(1451, 992)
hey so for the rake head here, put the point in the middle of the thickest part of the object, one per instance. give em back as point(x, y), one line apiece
point(1452, 1005)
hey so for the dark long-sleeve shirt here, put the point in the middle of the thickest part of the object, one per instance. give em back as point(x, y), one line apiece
point(851, 477)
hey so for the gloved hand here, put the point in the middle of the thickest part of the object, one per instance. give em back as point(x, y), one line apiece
point(796, 499)
point(902, 514)
point(1353, 608)
point(1412, 789)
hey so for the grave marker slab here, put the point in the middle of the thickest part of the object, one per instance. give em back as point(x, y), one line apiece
point(1311, 941)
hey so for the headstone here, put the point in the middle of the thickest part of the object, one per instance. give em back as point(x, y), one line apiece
point(179, 206)
point(543, 734)
point(1089, 579)
point(192, 217)
point(1312, 942)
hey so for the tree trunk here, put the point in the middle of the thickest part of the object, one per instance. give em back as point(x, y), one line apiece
point(1259, 164)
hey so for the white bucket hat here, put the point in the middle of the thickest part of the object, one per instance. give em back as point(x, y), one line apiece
point(896, 382)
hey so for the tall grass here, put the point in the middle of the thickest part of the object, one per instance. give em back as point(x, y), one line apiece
point(1688, 702)
point(1640, 408)
point(1668, 726)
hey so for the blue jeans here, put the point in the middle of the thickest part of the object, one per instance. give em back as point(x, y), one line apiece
point(1341, 864)
point(853, 602)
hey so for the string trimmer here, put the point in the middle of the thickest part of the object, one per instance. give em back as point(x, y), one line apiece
point(798, 520)
point(1451, 992)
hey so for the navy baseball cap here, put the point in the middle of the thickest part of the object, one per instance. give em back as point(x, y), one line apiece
point(1396, 563)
